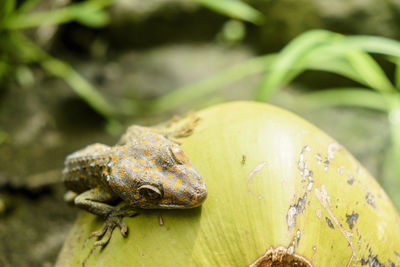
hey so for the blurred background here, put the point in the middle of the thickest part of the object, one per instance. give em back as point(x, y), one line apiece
point(74, 73)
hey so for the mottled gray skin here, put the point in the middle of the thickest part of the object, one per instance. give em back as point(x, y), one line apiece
point(120, 172)
point(144, 170)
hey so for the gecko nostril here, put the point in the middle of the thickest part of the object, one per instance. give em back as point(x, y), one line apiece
point(201, 194)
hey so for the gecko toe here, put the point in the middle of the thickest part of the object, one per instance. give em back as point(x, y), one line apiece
point(100, 232)
point(105, 238)
point(123, 228)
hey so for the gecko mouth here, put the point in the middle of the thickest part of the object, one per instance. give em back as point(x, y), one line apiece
point(199, 199)
point(175, 206)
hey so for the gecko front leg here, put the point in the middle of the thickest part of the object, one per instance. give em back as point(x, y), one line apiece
point(95, 201)
point(113, 220)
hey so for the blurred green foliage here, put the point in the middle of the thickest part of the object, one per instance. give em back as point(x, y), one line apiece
point(18, 52)
point(235, 9)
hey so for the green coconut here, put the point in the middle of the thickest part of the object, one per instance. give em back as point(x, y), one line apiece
point(280, 192)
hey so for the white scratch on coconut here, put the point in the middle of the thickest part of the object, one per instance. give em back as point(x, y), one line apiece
point(325, 201)
point(250, 177)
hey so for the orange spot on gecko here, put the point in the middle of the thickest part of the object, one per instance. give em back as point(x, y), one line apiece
point(135, 168)
point(156, 147)
point(154, 176)
point(146, 153)
point(157, 155)
point(114, 158)
point(177, 184)
point(166, 184)
point(156, 168)
point(121, 173)
point(141, 161)
point(144, 141)
point(170, 176)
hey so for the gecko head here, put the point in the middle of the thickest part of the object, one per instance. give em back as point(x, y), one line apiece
point(170, 180)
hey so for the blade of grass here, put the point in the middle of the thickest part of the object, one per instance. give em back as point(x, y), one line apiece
point(394, 120)
point(28, 6)
point(233, 8)
point(3, 136)
point(290, 62)
point(64, 71)
point(348, 96)
point(191, 92)
point(397, 74)
point(6, 8)
point(58, 16)
point(371, 72)
point(4, 69)
point(81, 87)
point(95, 19)
point(374, 44)
point(323, 61)
point(343, 58)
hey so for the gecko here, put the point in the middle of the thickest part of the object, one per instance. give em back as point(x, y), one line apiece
point(144, 170)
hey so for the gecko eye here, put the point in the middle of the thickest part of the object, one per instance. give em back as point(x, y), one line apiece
point(150, 192)
point(178, 155)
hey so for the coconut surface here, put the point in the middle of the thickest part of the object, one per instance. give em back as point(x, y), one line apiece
point(280, 191)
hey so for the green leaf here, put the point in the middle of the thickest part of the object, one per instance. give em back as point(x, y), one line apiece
point(348, 96)
point(205, 87)
point(371, 72)
point(3, 136)
point(346, 60)
point(291, 61)
point(397, 74)
point(6, 8)
point(84, 89)
point(64, 71)
point(394, 120)
point(233, 8)
point(94, 19)
point(28, 5)
point(62, 15)
point(374, 44)
point(4, 68)
point(335, 53)
point(332, 63)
